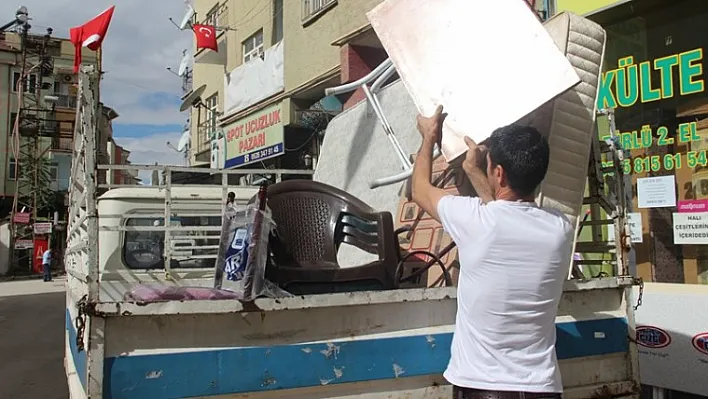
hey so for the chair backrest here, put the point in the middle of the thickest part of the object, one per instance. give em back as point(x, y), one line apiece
point(313, 219)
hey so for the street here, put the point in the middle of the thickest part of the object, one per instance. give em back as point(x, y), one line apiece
point(32, 340)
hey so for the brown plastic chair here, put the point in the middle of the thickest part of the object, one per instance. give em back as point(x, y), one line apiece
point(312, 220)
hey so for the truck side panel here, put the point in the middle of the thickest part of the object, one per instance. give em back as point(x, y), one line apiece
point(380, 350)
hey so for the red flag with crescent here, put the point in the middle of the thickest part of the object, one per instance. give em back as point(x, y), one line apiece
point(206, 37)
point(90, 34)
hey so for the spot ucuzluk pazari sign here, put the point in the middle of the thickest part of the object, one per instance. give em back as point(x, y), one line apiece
point(255, 138)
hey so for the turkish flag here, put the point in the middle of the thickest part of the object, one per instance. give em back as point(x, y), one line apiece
point(90, 34)
point(206, 37)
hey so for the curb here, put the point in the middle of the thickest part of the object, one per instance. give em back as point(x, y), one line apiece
point(29, 277)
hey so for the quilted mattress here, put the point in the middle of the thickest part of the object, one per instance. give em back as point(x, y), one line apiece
point(569, 121)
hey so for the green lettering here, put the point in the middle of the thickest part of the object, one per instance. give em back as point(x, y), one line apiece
point(690, 70)
point(665, 66)
point(648, 93)
point(684, 132)
point(647, 137)
point(627, 141)
point(663, 132)
point(605, 97)
point(627, 90)
point(693, 127)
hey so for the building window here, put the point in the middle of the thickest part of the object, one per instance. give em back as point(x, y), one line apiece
point(53, 172)
point(218, 16)
point(146, 249)
point(313, 8)
point(212, 114)
point(30, 84)
point(12, 170)
point(277, 21)
point(212, 16)
point(253, 46)
point(13, 118)
point(667, 99)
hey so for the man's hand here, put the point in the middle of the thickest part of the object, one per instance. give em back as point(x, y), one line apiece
point(431, 128)
point(474, 166)
point(476, 157)
point(424, 193)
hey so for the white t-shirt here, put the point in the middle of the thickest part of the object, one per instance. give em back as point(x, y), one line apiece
point(514, 258)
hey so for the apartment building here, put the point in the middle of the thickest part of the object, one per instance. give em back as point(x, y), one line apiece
point(119, 155)
point(52, 119)
point(265, 86)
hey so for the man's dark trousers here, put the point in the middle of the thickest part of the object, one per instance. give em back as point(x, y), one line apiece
point(47, 268)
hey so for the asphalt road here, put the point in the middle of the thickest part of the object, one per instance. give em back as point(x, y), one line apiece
point(32, 342)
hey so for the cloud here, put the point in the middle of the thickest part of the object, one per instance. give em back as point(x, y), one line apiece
point(152, 148)
point(140, 44)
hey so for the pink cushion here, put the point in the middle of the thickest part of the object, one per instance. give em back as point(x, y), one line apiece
point(159, 293)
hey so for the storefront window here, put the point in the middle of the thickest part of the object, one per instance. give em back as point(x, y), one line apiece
point(655, 79)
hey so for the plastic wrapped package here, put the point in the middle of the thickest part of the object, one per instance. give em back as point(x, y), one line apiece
point(243, 253)
point(160, 292)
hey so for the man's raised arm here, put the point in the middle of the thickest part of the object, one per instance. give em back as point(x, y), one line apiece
point(425, 195)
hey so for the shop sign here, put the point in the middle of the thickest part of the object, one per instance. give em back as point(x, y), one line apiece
point(691, 228)
point(690, 206)
point(42, 228)
point(700, 342)
point(634, 222)
point(23, 244)
point(656, 192)
point(582, 7)
point(40, 245)
point(255, 138)
point(652, 337)
point(680, 74)
point(632, 82)
point(21, 218)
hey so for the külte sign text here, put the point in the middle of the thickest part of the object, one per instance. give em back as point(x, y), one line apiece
point(631, 83)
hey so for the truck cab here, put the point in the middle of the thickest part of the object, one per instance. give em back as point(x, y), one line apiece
point(132, 235)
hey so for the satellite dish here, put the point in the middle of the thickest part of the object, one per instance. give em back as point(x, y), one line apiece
point(193, 99)
point(187, 17)
point(183, 141)
point(184, 64)
point(22, 15)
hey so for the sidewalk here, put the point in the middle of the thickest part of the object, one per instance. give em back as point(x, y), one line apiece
point(31, 287)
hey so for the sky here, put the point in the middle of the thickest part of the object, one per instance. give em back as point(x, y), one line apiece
point(140, 44)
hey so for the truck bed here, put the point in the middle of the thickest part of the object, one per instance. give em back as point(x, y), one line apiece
point(335, 345)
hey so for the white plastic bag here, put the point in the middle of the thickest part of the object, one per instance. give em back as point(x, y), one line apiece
point(242, 257)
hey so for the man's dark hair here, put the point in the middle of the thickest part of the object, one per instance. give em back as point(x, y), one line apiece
point(230, 197)
point(523, 153)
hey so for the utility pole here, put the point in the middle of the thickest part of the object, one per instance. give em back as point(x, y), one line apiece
point(32, 122)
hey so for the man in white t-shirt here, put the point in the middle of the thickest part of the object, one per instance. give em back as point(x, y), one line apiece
point(514, 258)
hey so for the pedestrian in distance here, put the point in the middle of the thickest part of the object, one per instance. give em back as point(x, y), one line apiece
point(514, 258)
point(230, 198)
point(47, 264)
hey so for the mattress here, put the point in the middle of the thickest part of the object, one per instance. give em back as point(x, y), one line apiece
point(569, 121)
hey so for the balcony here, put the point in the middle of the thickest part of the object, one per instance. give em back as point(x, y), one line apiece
point(218, 17)
point(312, 9)
point(203, 141)
point(65, 101)
point(63, 144)
point(38, 123)
point(254, 81)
